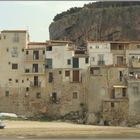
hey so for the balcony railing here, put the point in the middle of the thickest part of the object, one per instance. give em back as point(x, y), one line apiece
point(101, 62)
point(31, 58)
point(35, 84)
point(32, 71)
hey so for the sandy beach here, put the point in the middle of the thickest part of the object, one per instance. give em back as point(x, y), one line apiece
point(36, 129)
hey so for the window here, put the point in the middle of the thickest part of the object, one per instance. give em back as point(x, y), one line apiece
point(43, 52)
point(14, 66)
point(50, 80)
point(112, 104)
point(35, 68)
point(22, 50)
point(121, 47)
point(95, 70)
point(22, 81)
point(16, 80)
point(86, 60)
point(16, 38)
point(49, 48)
point(49, 63)
point(120, 75)
point(7, 49)
point(75, 62)
point(10, 79)
point(93, 58)
point(75, 95)
point(54, 97)
point(67, 73)
point(27, 88)
point(27, 79)
point(38, 95)
point(14, 52)
point(35, 55)
point(9, 63)
point(119, 60)
point(97, 47)
point(135, 89)
point(6, 93)
point(27, 52)
point(124, 92)
point(138, 46)
point(101, 59)
point(60, 72)
point(69, 62)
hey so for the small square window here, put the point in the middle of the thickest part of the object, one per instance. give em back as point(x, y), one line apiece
point(60, 72)
point(27, 79)
point(75, 95)
point(6, 93)
point(10, 79)
point(27, 88)
point(49, 48)
point(38, 95)
point(7, 49)
point(67, 73)
point(112, 104)
point(22, 50)
point(9, 63)
point(14, 66)
point(43, 52)
point(69, 62)
point(16, 80)
point(97, 47)
point(22, 81)
point(27, 52)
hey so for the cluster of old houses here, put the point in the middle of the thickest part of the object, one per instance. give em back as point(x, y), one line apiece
point(56, 77)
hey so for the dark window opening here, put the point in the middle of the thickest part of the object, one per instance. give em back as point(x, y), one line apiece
point(121, 75)
point(38, 95)
point(50, 80)
point(22, 81)
point(124, 92)
point(67, 73)
point(95, 70)
point(16, 80)
point(49, 63)
point(112, 105)
point(49, 48)
point(7, 50)
point(22, 50)
point(86, 60)
point(9, 63)
point(6, 93)
point(27, 88)
point(60, 72)
point(121, 47)
point(43, 52)
point(27, 52)
point(54, 97)
point(14, 66)
point(69, 62)
point(10, 79)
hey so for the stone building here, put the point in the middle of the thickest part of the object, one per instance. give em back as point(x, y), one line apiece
point(57, 78)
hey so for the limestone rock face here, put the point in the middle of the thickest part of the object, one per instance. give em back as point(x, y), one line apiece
point(99, 21)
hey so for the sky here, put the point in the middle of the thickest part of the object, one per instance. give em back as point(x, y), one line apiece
point(34, 16)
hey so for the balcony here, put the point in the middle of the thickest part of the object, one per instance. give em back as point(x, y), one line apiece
point(101, 62)
point(35, 84)
point(28, 58)
point(33, 72)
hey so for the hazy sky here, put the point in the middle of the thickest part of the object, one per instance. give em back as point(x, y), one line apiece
point(35, 16)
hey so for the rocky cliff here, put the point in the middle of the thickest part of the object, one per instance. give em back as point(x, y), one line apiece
point(98, 21)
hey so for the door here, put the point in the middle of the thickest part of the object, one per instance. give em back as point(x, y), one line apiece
point(76, 76)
